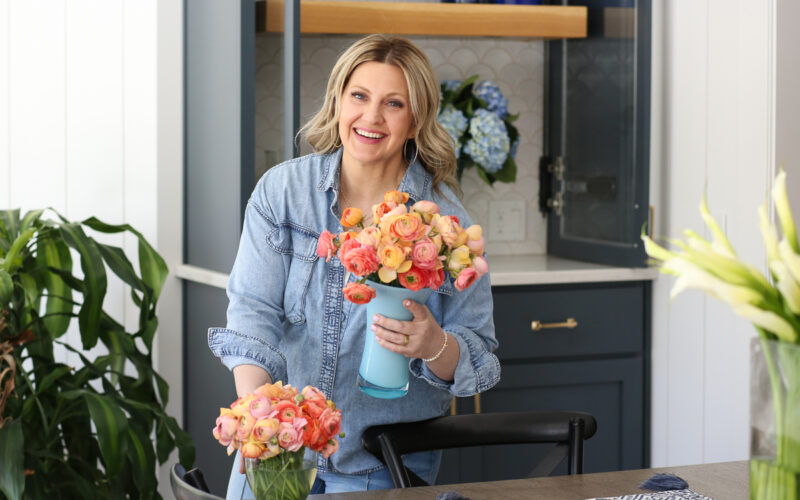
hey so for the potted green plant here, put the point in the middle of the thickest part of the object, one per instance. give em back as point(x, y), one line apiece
point(95, 429)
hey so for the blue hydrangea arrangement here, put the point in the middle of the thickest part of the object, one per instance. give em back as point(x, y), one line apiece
point(476, 117)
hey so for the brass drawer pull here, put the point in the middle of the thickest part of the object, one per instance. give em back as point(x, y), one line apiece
point(538, 325)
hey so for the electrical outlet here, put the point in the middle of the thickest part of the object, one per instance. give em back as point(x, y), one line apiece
point(507, 220)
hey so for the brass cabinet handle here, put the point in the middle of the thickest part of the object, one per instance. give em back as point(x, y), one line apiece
point(478, 404)
point(538, 325)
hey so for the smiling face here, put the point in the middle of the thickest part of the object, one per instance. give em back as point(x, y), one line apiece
point(375, 117)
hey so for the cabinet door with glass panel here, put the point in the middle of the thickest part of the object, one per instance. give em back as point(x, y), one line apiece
point(594, 174)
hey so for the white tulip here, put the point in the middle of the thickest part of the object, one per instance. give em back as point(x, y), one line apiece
point(720, 243)
point(786, 284)
point(694, 277)
point(769, 232)
point(790, 258)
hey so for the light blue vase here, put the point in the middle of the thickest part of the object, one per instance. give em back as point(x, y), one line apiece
point(383, 373)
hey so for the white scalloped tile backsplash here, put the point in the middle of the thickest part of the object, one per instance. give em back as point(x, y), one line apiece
point(515, 65)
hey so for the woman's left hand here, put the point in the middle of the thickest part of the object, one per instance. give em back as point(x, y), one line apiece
point(419, 338)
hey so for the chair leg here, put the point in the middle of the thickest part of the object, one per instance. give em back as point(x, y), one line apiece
point(576, 433)
point(394, 463)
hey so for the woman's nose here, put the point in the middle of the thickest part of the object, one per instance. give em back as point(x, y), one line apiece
point(373, 113)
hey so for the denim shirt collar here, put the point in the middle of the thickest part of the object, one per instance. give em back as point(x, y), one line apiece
point(416, 181)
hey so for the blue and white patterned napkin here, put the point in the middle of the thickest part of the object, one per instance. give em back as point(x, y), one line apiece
point(660, 495)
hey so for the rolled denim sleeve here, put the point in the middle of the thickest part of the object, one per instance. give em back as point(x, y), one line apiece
point(255, 293)
point(467, 316)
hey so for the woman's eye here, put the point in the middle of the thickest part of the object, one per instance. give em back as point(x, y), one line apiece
point(359, 96)
point(396, 104)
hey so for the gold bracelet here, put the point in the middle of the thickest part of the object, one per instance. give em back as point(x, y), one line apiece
point(438, 354)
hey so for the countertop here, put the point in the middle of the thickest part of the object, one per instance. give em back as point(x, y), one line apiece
point(546, 269)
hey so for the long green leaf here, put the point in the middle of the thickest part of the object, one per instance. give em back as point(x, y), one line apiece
point(111, 424)
point(121, 266)
point(143, 461)
point(11, 223)
point(54, 254)
point(152, 266)
point(12, 474)
point(6, 287)
point(12, 259)
point(31, 217)
point(94, 279)
point(184, 442)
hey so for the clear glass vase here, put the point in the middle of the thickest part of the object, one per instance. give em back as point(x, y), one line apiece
point(774, 420)
point(288, 476)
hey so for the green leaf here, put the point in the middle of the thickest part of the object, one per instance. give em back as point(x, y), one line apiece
point(483, 175)
point(31, 218)
point(94, 280)
point(53, 253)
point(12, 474)
point(51, 377)
point(509, 171)
point(111, 424)
point(164, 441)
point(184, 442)
point(142, 460)
point(10, 221)
point(11, 260)
point(118, 262)
point(6, 287)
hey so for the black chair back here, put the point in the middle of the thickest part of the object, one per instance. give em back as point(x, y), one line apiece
point(189, 485)
point(567, 429)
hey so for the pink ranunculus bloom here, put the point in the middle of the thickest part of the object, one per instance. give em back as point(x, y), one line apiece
point(425, 255)
point(265, 429)
point(260, 407)
point(227, 425)
point(330, 448)
point(426, 208)
point(252, 449)
point(448, 229)
point(370, 236)
point(358, 293)
point(480, 265)
point(476, 246)
point(358, 258)
point(246, 423)
point(289, 438)
point(218, 437)
point(311, 392)
point(465, 279)
point(326, 247)
point(436, 278)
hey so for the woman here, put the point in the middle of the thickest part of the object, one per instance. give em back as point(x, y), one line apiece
point(287, 320)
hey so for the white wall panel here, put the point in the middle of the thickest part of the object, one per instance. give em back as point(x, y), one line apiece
point(37, 103)
point(5, 180)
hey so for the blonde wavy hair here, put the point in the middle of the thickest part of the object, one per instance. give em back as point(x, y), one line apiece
point(434, 145)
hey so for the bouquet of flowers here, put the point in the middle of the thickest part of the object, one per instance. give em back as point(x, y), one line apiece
point(272, 427)
point(476, 117)
point(773, 307)
point(412, 248)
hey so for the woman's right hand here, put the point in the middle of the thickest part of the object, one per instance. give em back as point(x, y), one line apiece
point(248, 378)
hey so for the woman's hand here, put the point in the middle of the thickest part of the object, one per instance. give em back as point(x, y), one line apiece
point(422, 337)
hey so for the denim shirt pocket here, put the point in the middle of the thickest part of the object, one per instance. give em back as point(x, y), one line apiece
point(300, 245)
point(446, 288)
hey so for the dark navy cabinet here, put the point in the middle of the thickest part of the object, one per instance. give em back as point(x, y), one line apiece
point(600, 366)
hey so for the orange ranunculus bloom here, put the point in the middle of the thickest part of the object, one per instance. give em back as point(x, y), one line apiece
point(265, 429)
point(252, 449)
point(351, 217)
point(414, 279)
point(408, 227)
point(287, 411)
point(358, 293)
point(391, 256)
point(395, 196)
point(381, 209)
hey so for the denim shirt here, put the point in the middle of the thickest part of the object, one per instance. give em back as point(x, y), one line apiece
point(287, 313)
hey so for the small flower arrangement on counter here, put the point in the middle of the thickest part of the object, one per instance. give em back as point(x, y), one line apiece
point(476, 117)
point(404, 247)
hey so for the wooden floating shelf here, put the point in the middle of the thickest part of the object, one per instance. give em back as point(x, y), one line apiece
point(439, 19)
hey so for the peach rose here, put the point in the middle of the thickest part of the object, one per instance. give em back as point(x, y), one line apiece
point(408, 227)
point(465, 279)
point(351, 217)
point(395, 196)
point(425, 255)
point(414, 279)
point(326, 245)
point(358, 258)
point(358, 293)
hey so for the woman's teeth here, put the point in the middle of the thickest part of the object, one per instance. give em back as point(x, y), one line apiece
point(369, 135)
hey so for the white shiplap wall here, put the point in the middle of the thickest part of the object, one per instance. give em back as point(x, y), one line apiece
point(712, 123)
point(91, 124)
